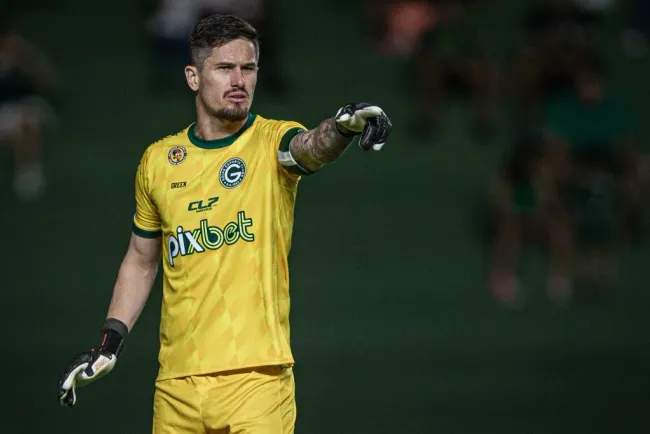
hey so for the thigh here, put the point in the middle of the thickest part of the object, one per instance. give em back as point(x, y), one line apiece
point(287, 395)
point(263, 403)
point(176, 407)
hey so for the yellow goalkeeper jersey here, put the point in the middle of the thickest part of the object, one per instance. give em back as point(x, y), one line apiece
point(224, 212)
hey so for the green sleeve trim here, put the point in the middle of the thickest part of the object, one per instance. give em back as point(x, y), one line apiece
point(285, 143)
point(146, 234)
point(288, 136)
point(297, 170)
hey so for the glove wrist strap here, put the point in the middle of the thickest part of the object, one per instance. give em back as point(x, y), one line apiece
point(113, 334)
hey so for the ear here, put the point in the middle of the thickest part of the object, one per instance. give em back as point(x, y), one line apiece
point(192, 77)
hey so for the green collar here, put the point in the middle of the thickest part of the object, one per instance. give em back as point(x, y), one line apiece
point(218, 143)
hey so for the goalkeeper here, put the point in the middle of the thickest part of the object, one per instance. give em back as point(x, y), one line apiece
point(225, 360)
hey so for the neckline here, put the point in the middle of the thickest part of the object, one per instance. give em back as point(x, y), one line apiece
point(218, 143)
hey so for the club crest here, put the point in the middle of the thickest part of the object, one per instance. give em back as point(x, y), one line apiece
point(177, 155)
point(232, 172)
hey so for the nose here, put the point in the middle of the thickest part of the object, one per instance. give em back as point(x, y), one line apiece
point(237, 78)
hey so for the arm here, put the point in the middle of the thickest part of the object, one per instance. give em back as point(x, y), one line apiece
point(314, 148)
point(135, 279)
point(134, 282)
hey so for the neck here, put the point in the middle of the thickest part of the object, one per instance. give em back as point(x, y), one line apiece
point(211, 128)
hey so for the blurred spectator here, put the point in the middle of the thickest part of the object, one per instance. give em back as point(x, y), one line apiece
point(26, 80)
point(169, 27)
point(397, 26)
point(559, 39)
point(590, 135)
point(172, 21)
point(449, 59)
point(376, 18)
point(525, 210)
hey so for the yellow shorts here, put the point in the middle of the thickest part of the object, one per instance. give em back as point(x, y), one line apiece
point(258, 400)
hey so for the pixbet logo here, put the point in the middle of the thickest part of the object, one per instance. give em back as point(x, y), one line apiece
point(207, 237)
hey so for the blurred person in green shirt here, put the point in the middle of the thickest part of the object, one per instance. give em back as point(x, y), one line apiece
point(525, 211)
point(450, 60)
point(590, 135)
point(559, 37)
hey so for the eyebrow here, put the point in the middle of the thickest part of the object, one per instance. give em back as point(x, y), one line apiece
point(234, 64)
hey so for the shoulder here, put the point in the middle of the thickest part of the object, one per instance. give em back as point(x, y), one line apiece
point(165, 144)
point(277, 126)
point(170, 148)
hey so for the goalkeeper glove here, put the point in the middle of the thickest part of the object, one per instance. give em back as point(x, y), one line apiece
point(91, 365)
point(366, 120)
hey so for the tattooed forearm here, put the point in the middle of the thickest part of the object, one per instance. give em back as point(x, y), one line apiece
point(314, 148)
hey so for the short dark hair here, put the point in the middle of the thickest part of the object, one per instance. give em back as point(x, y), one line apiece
point(217, 30)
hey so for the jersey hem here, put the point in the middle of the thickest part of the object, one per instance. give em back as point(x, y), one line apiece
point(289, 362)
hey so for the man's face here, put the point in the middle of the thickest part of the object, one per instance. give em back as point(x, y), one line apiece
point(226, 81)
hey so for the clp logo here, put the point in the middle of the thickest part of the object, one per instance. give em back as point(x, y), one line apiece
point(232, 172)
point(201, 206)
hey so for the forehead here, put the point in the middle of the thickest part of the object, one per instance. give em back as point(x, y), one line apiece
point(236, 51)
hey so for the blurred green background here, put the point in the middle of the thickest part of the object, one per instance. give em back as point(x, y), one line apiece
point(392, 327)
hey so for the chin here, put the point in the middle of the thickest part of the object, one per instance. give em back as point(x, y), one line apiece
point(233, 113)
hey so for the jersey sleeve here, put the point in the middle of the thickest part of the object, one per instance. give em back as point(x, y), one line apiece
point(283, 132)
point(146, 221)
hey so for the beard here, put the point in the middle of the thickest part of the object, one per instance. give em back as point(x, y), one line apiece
point(233, 113)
